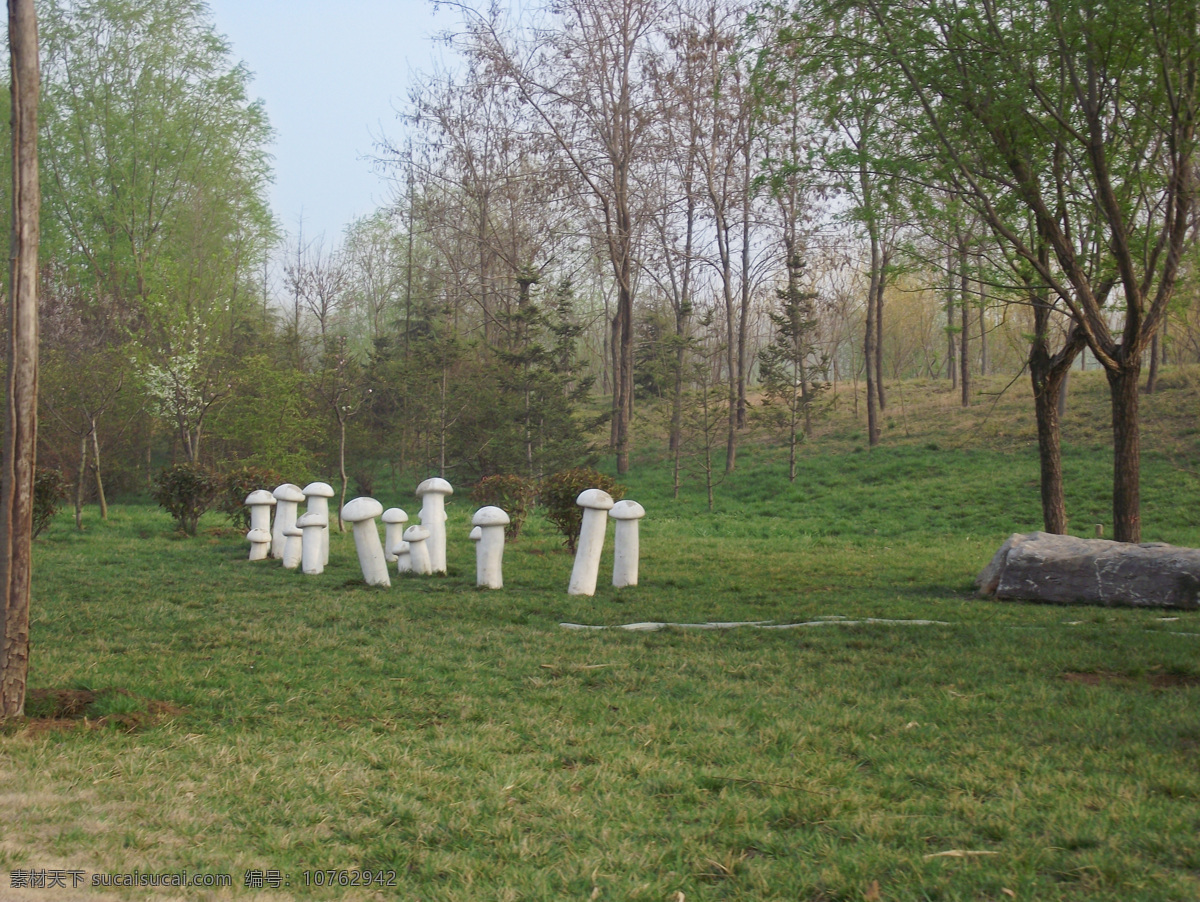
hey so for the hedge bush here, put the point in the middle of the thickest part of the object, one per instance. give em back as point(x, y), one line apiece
point(512, 494)
point(49, 493)
point(186, 491)
point(236, 484)
point(558, 494)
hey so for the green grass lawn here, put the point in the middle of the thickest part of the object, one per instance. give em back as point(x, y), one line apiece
point(248, 718)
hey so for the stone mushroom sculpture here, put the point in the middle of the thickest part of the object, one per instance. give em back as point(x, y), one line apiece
point(318, 495)
point(260, 503)
point(312, 547)
point(418, 550)
point(489, 553)
point(625, 542)
point(596, 504)
point(260, 544)
point(288, 497)
point(394, 518)
point(432, 493)
point(361, 512)
point(293, 546)
point(403, 557)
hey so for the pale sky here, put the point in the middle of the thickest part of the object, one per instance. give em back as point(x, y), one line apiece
point(332, 76)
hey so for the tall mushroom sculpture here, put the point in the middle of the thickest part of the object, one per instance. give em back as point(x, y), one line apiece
point(432, 493)
point(489, 553)
point(260, 503)
point(288, 497)
point(596, 504)
point(314, 527)
point(361, 513)
point(318, 495)
point(394, 519)
point(625, 542)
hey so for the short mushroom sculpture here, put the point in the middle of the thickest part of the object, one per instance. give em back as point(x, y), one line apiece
point(596, 504)
point(260, 503)
point(318, 495)
point(418, 550)
point(361, 512)
point(489, 553)
point(288, 497)
point(312, 549)
point(260, 544)
point(293, 547)
point(394, 518)
point(625, 542)
point(403, 557)
point(432, 493)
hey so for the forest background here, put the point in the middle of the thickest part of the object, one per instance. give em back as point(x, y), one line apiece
point(620, 227)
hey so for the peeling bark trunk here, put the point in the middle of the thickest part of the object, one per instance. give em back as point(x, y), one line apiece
point(20, 433)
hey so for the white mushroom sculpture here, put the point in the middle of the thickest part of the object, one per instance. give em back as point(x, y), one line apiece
point(403, 557)
point(288, 497)
point(361, 513)
point(394, 519)
point(260, 503)
point(418, 550)
point(489, 553)
point(625, 542)
point(312, 547)
point(318, 495)
point(596, 504)
point(432, 493)
point(293, 546)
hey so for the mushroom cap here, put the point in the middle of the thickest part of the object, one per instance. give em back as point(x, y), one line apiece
point(394, 515)
point(258, 536)
point(293, 531)
point(288, 492)
point(490, 516)
point(416, 533)
point(320, 489)
point(359, 509)
point(476, 533)
point(435, 485)
point(311, 519)
point(260, 496)
point(399, 548)
point(627, 510)
point(597, 499)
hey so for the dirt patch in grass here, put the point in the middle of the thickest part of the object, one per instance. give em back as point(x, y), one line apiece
point(47, 710)
point(1157, 680)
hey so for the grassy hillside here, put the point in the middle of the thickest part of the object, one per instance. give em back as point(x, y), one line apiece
point(249, 721)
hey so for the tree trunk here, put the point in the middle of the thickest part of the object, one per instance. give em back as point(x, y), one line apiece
point(80, 473)
point(869, 346)
point(1048, 379)
point(983, 347)
point(20, 433)
point(99, 479)
point(880, 284)
point(1123, 389)
point(1152, 376)
point(964, 367)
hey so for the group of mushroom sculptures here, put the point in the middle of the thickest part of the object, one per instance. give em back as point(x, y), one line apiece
point(303, 540)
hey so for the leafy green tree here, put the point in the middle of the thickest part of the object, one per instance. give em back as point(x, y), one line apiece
point(1071, 130)
point(155, 167)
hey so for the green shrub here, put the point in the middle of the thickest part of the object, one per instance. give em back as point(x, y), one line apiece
point(558, 494)
point(186, 491)
point(240, 482)
point(512, 494)
point(49, 493)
